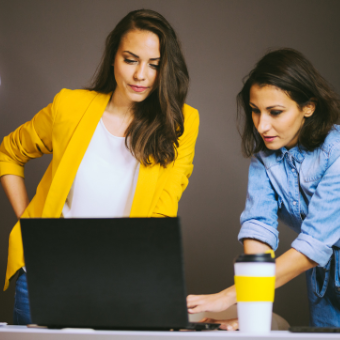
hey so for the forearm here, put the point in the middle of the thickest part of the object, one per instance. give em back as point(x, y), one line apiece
point(15, 189)
point(250, 247)
point(229, 295)
point(289, 265)
point(212, 302)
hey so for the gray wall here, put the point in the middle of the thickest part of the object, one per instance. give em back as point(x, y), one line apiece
point(48, 45)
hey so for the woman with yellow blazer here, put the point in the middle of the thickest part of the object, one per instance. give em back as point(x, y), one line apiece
point(136, 107)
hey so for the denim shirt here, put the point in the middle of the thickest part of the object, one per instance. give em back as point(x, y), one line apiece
point(301, 188)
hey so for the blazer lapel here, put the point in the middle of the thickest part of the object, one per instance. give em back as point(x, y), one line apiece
point(74, 153)
point(142, 204)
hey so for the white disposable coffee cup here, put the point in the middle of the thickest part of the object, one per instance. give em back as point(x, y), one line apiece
point(255, 288)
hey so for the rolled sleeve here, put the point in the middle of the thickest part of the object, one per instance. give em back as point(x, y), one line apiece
point(261, 232)
point(314, 249)
point(8, 168)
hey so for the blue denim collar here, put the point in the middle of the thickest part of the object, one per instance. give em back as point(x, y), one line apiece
point(298, 152)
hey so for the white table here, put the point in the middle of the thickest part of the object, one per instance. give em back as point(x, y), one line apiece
point(24, 333)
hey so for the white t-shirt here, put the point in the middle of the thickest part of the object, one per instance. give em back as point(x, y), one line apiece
point(106, 179)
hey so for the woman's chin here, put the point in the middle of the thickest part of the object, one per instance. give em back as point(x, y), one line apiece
point(138, 97)
point(273, 146)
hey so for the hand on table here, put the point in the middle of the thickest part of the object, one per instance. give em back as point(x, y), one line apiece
point(229, 325)
point(212, 302)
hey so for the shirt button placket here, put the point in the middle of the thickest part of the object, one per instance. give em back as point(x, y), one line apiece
point(295, 203)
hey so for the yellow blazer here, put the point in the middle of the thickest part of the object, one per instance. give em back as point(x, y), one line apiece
point(65, 128)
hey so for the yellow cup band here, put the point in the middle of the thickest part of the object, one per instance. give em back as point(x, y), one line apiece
point(255, 288)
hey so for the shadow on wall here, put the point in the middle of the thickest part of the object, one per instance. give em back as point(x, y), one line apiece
point(17, 105)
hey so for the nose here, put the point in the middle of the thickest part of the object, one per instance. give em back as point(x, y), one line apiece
point(263, 123)
point(140, 72)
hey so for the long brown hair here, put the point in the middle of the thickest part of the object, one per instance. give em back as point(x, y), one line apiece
point(158, 121)
point(290, 71)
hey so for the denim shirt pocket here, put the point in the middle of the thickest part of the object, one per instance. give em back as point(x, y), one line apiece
point(313, 169)
point(320, 279)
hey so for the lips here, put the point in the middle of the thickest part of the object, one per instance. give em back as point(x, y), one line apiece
point(268, 138)
point(137, 88)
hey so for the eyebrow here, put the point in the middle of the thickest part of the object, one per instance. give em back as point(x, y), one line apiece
point(136, 56)
point(269, 107)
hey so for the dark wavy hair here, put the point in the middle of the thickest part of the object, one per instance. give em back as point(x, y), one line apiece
point(158, 120)
point(290, 71)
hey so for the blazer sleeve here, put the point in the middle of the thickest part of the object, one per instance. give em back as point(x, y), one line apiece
point(180, 170)
point(28, 141)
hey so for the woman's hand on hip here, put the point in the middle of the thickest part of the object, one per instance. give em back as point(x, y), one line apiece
point(15, 189)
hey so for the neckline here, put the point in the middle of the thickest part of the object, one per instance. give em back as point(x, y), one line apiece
point(110, 134)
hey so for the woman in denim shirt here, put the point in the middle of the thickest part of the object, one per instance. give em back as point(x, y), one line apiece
point(290, 134)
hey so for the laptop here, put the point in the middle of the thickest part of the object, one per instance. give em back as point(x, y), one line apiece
point(106, 273)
